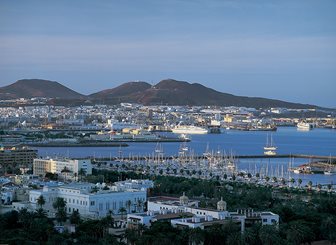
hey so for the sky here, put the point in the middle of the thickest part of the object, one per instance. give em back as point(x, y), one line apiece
point(263, 48)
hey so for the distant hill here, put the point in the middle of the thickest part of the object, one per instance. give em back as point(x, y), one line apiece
point(166, 92)
point(29, 88)
point(173, 92)
point(122, 93)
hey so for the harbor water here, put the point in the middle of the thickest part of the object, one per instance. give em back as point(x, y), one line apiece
point(288, 140)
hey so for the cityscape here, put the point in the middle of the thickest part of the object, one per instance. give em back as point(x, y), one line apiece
point(162, 160)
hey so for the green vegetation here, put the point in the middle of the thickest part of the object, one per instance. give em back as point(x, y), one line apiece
point(305, 216)
point(60, 206)
point(32, 228)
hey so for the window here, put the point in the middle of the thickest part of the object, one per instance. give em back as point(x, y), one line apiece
point(264, 220)
point(92, 203)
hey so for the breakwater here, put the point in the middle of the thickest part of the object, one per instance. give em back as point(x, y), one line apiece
point(156, 157)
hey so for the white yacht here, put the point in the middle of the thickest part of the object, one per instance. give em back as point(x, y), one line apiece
point(187, 129)
point(304, 126)
point(269, 153)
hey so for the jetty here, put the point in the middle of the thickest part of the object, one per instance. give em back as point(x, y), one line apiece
point(201, 157)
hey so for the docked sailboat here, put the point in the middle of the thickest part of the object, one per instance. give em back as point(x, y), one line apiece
point(270, 148)
point(330, 170)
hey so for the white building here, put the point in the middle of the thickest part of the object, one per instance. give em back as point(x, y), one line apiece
point(56, 166)
point(83, 198)
point(198, 217)
point(138, 184)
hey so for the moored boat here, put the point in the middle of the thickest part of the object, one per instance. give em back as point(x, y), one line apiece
point(270, 148)
point(189, 129)
point(304, 126)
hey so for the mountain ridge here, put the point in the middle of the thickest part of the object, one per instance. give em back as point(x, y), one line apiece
point(165, 92)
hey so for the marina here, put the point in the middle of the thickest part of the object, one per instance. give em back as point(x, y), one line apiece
point(212, 153)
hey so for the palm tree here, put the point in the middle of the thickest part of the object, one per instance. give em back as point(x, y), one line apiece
point(267, 179)
point(66, 171)
point(141, 228)
point(299, 182)
point(128, 205)
point(139, 205)
point(40, 201)
point(131, 236)
point(109, 220)
point(283, 181)
point(292, 180)
point(81, 173)
point(75, 218)
point(257, 175)
point(196, 236)
point(76, 175)
point(329, 187)
point(275, 179)
point(268, 234)
point(60, 206)
point(299, 232)
point(122, 211)
point(310, 184)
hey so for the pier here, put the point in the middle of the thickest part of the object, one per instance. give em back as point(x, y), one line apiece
point(201, 157)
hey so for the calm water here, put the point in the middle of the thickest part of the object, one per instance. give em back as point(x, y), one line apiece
point(287, 139)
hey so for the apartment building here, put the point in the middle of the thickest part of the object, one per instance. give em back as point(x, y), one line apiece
point(56, 166)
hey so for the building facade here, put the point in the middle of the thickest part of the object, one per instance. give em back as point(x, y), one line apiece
point(57, 166)
point(194, 217)
point(16, 156)
point(87, 200)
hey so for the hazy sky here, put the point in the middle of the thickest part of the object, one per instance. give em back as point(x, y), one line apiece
point(276, 49)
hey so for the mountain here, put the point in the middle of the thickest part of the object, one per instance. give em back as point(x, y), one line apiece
point(29, 88)
point(166, 92)
point(122, 93)
point(173, 92)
